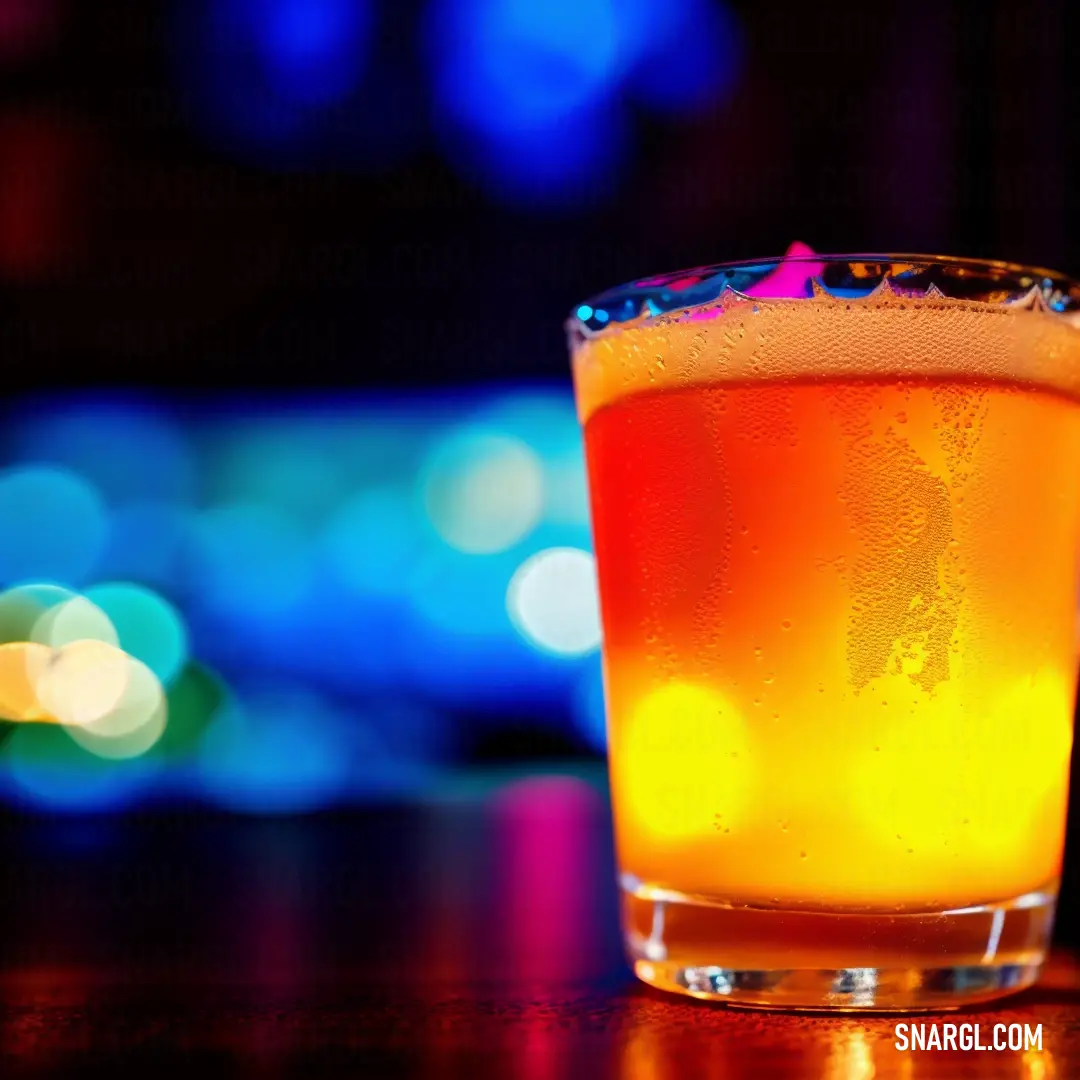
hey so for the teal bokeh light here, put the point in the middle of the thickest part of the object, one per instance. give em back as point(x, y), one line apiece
point(148, 626)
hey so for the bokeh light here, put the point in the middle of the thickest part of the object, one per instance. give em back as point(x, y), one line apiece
point(277, 749)
point(312, 50)
point(194, 699)
point(134, 723)
point(483, 491)
point(525, 93)
point(512, 65)
point(553, 602)
point(375, 540)
point(547, 422)
point(251, 560)
point(55, 525)
point(588, 705)
point(292, 463)
point(690, 58)
point(531, 96)
point(277, 78)
point(127, 448)
point(72, 620)
point(149, 628)
point(148, 542)
point(561, 166)
point(50, 771)
point(22, 664)
point(464, 594)
point(408, 585)
point(83, 682)
point(23, 607)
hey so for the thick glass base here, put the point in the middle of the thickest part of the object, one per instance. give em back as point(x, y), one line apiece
point(784, 959)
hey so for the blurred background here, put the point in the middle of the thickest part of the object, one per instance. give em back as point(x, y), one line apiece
point(287, 414)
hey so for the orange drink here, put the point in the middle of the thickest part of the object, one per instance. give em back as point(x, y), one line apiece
point(836, 532)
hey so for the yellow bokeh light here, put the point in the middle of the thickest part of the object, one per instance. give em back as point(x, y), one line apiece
point(21, 665)
point(685, 765)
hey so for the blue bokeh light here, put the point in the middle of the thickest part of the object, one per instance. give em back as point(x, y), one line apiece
point(251, 560)
point(276, 78)
point(147, 542)
point(55, 525)
point(410, 730)
point(465, 594)
point(129, 450)
point(507, 66)
point(375, 541)
point(280, 749)
point(526, 94)
point(300, 545)
point(532, 96)
point(312, 50)
point(691, 58)
point(588, 704)
point(559, 165)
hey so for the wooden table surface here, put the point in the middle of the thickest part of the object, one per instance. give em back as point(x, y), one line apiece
point(471, 938)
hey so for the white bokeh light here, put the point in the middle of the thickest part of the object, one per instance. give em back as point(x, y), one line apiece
point(84, 682)
point(552, 601)
point(483, 492)
point(134, 724)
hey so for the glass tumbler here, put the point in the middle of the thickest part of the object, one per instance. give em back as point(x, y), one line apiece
point(836, 509)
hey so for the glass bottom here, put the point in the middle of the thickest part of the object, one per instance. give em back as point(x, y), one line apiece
point(782, 959)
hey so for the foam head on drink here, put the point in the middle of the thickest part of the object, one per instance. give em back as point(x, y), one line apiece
point(837, 546)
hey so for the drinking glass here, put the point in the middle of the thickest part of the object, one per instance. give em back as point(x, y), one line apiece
point(836, 506)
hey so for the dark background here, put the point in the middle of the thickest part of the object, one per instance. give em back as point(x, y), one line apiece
point(151, 239)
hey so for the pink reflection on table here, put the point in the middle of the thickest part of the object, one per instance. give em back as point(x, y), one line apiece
point(546, 852)
point(545, 841)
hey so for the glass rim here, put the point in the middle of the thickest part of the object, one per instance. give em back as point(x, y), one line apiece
point(839, 276)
